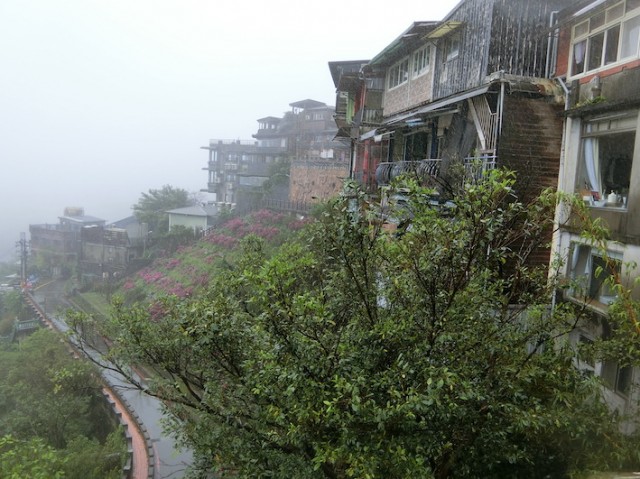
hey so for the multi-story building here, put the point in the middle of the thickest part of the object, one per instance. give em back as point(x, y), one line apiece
point(464, 94)
point(304, 139)
point(57, 247)
point(599, 60)
point(465, 88)
point(548, 89)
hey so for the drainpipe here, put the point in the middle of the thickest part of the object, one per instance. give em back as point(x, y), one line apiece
point(555, 243)
point(352, 159)
point(552, 45)
point(501, 102)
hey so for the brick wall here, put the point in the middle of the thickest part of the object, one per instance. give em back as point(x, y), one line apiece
point(314, 181)
point(530, 144)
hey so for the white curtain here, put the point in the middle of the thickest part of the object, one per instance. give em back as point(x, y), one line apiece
point(579, 50)
point(592, 163)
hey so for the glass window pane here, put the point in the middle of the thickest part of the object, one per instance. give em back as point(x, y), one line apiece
point(578, 57)
point(632, 4)
point(582, 29)
point(596, 43)
point(630, 34)
point(611, 52)
point(615, 12)
point(597, 21)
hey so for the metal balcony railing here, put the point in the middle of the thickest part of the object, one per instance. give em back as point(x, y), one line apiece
point(388, 171)
point(474, 169)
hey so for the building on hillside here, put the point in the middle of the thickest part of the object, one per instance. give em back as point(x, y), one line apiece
point(462, 95)
point(137, 232)
point(197, 217)
point(599, 61)
point(454, 91)
point(292, 160)
point(320, 162)
point(359, 111)
point(104, 252)
point(57, 247)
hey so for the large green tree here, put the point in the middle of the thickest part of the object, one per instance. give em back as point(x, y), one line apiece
point(152, 206)
point(430, 351)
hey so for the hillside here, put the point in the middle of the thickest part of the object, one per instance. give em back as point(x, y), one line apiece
point(191, 268)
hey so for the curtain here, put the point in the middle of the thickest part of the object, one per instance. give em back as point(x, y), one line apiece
point(592, 164)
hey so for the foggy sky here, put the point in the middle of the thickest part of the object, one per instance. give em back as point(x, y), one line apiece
point(103, 100)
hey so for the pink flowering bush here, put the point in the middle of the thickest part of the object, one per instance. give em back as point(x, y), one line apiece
point(189, 270)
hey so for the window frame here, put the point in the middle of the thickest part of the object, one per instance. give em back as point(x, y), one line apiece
point(421, 61)
point(398, 74)
point(582, 263)
point(587, 33)
point(452, 47)
point(592, 173)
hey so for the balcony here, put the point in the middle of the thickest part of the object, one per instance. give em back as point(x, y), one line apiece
point(372, 116)
point(474, 169)
point(388, 171)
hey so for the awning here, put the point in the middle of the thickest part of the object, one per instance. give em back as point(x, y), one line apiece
point(436, 105)
point(443, 29)
point(377, 134)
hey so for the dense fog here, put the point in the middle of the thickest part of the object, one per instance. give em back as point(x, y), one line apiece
point(101, 101)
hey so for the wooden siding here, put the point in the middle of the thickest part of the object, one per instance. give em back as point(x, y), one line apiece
point(508, 35)
point(520, 36)
point(468, 69)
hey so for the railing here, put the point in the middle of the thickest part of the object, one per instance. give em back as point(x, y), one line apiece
point(474, 169)
point(372, 116)
point(388, 171)
point(233, 142)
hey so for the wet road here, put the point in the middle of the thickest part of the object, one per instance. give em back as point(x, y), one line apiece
point(169, 462)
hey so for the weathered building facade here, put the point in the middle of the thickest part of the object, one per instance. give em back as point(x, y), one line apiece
point(244, 173)
point(599, 61)
point(468, 89)
point(57, 247)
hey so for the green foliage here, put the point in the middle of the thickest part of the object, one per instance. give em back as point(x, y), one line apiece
point(88, 459)
point(52, 414)
point(353, 352)
point(278, 174)
point(14, 305)
point(31, 458)
point(152, 206)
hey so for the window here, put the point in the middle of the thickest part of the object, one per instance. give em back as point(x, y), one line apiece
point(452, 47)
point(608, 147)
point(398, 73)
point(607, 37)
point(616, 377)
point(592, 274)
point(421, 61)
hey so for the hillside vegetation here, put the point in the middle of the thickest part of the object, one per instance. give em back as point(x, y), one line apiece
point(191, 268)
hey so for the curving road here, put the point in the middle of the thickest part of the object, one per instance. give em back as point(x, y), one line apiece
point(169, 462)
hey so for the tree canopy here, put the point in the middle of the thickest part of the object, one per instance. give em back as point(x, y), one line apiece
point(152, 206)
point(355, 351)
point(54, 421)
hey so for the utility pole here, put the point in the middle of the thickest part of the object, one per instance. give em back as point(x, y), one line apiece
point(23, 258)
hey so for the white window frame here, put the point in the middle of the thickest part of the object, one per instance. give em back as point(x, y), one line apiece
point(421, 61)
point(452, 46)
point(398, 74)
point(597, 177)
point(582, 268)
point(586, 36)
